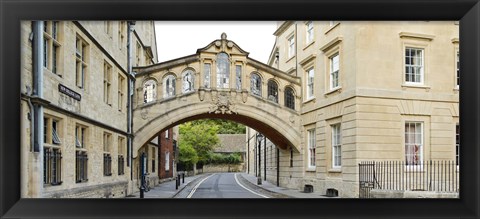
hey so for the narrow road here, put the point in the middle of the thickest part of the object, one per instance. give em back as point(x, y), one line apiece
point(222, 185)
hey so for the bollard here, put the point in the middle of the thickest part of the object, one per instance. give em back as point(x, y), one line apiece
point(183, 177)
point(176, 183)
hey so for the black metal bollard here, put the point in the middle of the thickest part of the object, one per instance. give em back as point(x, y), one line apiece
point(176, 183)
point(183, 177)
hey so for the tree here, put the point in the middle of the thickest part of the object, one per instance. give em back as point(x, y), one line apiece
point(225, 126)
point(187, 156)
point(202, 137)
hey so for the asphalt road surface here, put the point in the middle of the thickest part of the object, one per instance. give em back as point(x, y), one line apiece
point(222, 185)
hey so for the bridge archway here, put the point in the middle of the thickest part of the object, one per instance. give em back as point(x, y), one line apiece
point(216, 93)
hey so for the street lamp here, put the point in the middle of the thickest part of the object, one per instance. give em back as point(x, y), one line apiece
point(259, 143)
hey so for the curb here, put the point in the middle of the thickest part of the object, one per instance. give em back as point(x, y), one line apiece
point(188, 183)
point(269, 192)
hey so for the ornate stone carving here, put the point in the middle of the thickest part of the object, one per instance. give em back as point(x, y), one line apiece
point(144, 114)
point(222, 103)
point(244, 95)
point(201, 94)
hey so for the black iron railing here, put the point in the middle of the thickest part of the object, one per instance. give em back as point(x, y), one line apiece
point(433, 175)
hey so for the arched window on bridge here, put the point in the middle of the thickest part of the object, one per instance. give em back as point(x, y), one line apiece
point(289, 98)
point(169, 86)
point(149, 91)
point(256, 84)
point(223, 70)
point(188, 81)
point(272, 91)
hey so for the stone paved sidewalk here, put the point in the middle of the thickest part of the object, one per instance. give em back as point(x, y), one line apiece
point(167, 189)
point(280, 192)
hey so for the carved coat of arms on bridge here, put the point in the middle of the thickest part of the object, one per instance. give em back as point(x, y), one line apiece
point(222, 103)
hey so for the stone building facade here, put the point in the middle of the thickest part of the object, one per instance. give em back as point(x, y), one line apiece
point(74, 107)
point(370, 91)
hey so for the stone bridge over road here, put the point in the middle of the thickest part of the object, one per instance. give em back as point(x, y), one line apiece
point(219, 81)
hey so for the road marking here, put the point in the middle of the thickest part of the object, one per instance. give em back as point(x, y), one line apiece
point(196, 186)
point(248, 188)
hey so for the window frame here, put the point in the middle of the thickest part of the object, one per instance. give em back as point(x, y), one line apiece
point(52, 46)
point(238, 76)
point(272, 85)
point(185, 73)
point(422, 66)
point(169, 79)
point(207, 75)
point(286, 97)
point(334, 72)
point(150, 90)
point(52, 152)
point(311, 149)
point(223, 75)
point(256, 79)
point(107, 83)
point(309, 33)
point(121, 92)
point(81, 61)
point(310, 86)
point(336, 142)
point(291, 46)
point(121, 155)
point(422, 142)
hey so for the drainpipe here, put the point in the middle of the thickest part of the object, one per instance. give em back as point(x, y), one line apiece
point(296, 50)
point(37, 108)
point(131, 28)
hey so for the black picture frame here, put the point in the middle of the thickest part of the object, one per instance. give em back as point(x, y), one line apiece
point(12, 12)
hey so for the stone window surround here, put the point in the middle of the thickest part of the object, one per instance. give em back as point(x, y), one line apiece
point(291, 46)
point(425, 120)
point(82, 59)
point(308, 128)
point(53, 43)
point(331, 49)
point(418, 41)
point(329, 144)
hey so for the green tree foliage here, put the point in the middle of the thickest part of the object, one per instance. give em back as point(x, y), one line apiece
point(202, 137)
point(218, 158)
point(187, 156)
point(225, 126)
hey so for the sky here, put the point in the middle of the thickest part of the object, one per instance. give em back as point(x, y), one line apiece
point(176, 39)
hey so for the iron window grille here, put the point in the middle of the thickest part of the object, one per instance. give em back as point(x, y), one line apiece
point(81, 167)
point(107, 164)
point(121, 165)
point(52, 166)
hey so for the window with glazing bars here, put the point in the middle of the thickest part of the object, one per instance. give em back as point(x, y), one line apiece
point(51, 45)
point(311, 148)
point(414, 67)
point(289, 98)
point(81, 62)
point(336, 146)
point(256, 84)
point(413, 143)
point(334, 71)
point(272, 91)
